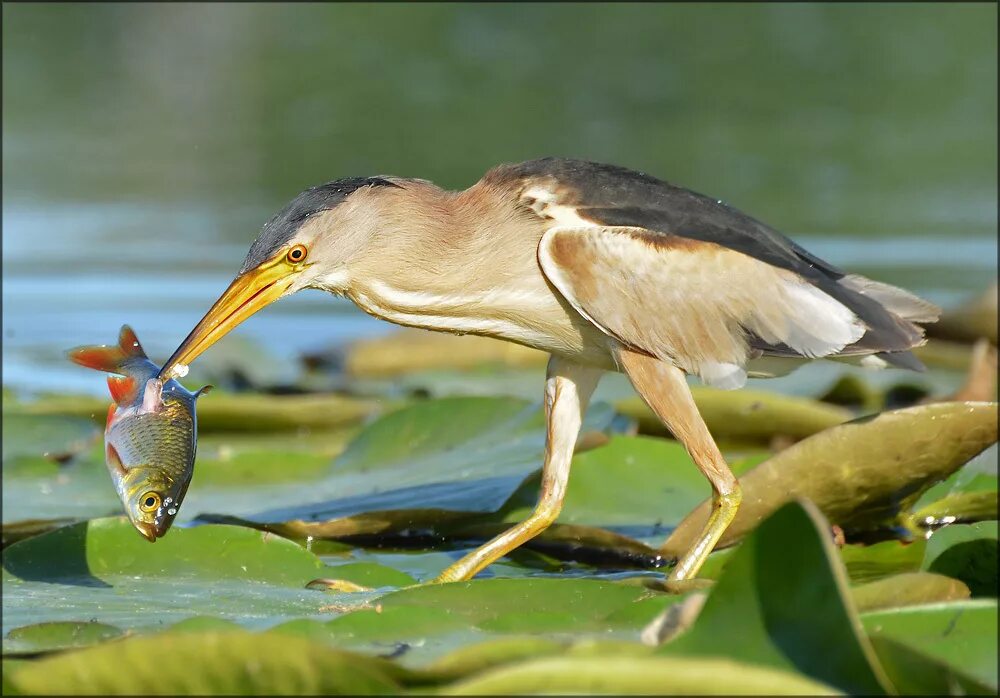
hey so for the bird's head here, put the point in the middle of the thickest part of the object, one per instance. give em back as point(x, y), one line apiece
point(308, 244)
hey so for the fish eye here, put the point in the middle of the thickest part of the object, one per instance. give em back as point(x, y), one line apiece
point(149, 502)
point(297, 254)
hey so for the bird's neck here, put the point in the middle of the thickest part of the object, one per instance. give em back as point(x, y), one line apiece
point(453, 261)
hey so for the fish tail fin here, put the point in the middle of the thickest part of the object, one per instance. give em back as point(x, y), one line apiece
point(109, 358)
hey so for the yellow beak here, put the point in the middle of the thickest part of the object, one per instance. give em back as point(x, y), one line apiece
point(248, 293)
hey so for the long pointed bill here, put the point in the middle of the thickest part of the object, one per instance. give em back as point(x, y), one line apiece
point(247, 294)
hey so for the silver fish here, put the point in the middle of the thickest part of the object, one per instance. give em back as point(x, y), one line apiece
point(151, 435)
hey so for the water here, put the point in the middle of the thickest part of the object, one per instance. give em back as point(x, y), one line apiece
point(143, 147)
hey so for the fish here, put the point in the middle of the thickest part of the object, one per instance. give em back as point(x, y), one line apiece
point(151, 437)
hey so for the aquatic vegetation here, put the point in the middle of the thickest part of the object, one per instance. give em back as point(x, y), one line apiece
point(865, 535)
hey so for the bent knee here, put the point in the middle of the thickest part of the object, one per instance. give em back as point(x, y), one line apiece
point(730, 499)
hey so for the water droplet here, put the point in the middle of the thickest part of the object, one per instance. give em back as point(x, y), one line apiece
point(171, 511)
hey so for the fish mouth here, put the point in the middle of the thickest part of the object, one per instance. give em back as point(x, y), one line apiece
point(147, 530)
point(249, 292)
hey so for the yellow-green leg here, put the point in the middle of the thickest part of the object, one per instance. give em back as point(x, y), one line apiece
point(568, 387)
point(664, 388)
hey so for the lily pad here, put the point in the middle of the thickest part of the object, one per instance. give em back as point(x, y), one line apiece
point(409, 350)
point(638, 484)
point(782, 603)
point(227, 412)
point(867, 563)
point(48, 637)
point(462, 454)
point(961, 634)
point(908, 589)
point(103, 570)
point(53, 437)
point(207, 663)
point(432, 620)
point(746, 415)
point(861, 474)
point(968, 553)
point(637, 675)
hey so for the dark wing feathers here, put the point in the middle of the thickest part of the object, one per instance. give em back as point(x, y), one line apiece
point(616, 196)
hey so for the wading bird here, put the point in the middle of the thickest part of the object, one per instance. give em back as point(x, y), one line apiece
point(604, 268)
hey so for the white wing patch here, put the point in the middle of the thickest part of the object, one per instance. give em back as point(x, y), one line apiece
point(690, 302)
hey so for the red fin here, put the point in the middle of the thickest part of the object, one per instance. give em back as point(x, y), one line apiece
point(110, 359)
point(102, 358)
point(123, 390)
point(129, 343)
point(114, 459)
point(111, 415)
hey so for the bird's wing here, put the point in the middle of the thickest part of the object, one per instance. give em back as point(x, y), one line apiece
point(594, 197)
point(693, 303)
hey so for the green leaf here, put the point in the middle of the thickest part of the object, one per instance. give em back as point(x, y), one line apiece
point(208, 663)
point(434, 619)
point(233, 412)
point(782, 602)
point(104, 570)
point(638, 482)
point(907, 589)
point(636, 675)
point(746, 415)
point(53, 437)
point(866, 563)
point(463, 454)
point(861, 474)
point(961, 634)
point(371, 574)
point(917, 673)
point(48, 637)
point(473, 659)
point(589, 601)
point(968, 553)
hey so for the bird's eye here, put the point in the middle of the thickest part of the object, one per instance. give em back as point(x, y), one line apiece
point(297, 254)
point(149, 502)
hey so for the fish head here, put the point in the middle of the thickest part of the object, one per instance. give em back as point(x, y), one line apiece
point(151, 499)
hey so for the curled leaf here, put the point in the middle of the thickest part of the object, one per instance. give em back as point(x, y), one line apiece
point(861, 474)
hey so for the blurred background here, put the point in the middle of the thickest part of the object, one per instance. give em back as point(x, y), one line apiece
point(145, 145)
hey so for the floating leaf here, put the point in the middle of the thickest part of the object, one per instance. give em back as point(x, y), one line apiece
point(975, 318)
point(234, 412)
point(105, 570)
point(637, 675)
point(464, 454)
point(208, 663)
point(917, 673)
point(428, 621)
point(961, 507)
point(968, 553)
point(866, 563)
point(639, 483)
point(371, 574)
point(782, 603)
point(409, 350)
point(20, 530)
point(49, 637)
point(53, 437)
point(860, 474)
point(962, 634)
point(746, 415)
point(908, 589)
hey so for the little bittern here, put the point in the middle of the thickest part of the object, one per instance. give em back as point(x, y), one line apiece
point(604, 268)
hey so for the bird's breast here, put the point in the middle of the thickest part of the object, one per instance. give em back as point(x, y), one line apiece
point(526, 310)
